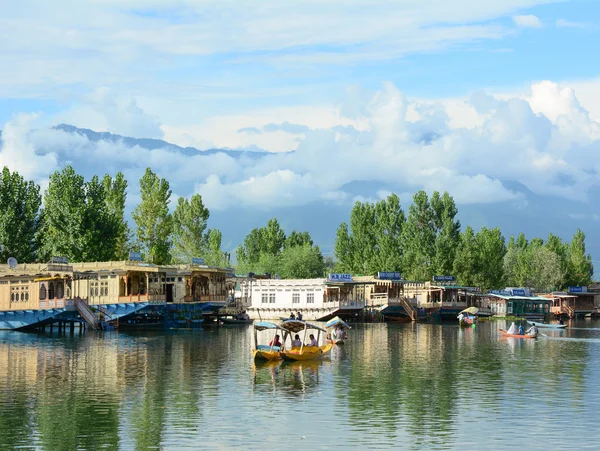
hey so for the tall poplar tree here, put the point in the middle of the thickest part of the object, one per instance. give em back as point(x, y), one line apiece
point(152, 218)
point(116, 196)
point(189, 227)
point(491, 249)
point(20, 202)
point(76, 221)
point(418, 239)
point(466, 263)
point(581, 269)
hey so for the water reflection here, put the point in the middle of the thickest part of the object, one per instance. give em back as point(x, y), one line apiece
point(423, 385)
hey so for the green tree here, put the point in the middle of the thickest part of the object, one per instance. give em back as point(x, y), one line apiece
point(20, 202)
point(372, 241)
point(301, 262)
point(152, 218)
point(447, 228)
point(189, 227)
point(214, 256)
point(418, 239)
point(561, 249)
point(297, 239)
point(491, 249)
point(543, 269)
point(581, 269)
point(466, 261)
point(116, 196)
point(76, 221)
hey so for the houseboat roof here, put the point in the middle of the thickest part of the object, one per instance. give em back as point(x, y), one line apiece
point(518, 298)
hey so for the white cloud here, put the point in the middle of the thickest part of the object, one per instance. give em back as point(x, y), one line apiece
point(528, 21)
point(562, 23)
point(544, 139)
point(166, 46)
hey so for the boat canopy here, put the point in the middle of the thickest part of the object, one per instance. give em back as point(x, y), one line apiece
point(471, 310)
point(295, 326)
point(263, 325)
point(337, 321)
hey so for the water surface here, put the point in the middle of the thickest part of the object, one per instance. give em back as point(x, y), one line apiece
point(414, 386)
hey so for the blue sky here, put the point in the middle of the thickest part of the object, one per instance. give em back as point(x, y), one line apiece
point(510, 89)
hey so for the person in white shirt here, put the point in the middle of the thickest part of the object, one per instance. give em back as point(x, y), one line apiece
point(313, 341)
point(513, 329)
point(296, 343)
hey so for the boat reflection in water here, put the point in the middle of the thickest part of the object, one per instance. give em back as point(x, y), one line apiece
point(288, 378)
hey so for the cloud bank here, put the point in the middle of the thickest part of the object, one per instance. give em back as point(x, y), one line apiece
point(543, 139)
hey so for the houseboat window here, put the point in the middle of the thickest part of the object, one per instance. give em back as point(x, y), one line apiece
point(96, 291)
point(22, 295)
point(51, 290)
point(27, 296)
point(180, 279)
point(310, 298)
point(59, 290)
point(510, 307)
point(296, 298)
point(91, 291)
point(271, 298)
point(265, 298)
point(12, 297)
point(43, 293)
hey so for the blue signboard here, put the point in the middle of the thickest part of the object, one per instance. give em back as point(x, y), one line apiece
point(389, 275)
point(340, 277)
point(136, 256)
point(60, 260)
point(443, 278)
point(197, 261)
point(576, 289)
point(501, 292)
point(518, 292)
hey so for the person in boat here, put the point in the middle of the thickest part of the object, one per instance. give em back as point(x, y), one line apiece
point(561, 321)
point(299, 315)
point(521, 330)
point(512, 330)
point(313, 340)
point(339, 332)
point(461, 317)
point(292, 316)
point(296, 342)
point(275, 341)
point(533, 330)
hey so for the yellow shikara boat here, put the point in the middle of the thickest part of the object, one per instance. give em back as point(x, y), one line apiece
point(304, 352)
point(270, 351)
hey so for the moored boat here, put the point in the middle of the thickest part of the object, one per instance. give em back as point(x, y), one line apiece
point(547, 326)
point(270, 351)
point(468, 316)
point(506, 334)
point(234, 320)
point(304, 352)
point(337, 330)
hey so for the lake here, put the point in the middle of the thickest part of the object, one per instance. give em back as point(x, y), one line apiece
point(414, 386)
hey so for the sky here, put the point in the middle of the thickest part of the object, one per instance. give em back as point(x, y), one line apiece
point(332, 102)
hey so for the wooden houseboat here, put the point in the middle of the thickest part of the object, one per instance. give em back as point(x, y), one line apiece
point(518, 302)
point(577, 302)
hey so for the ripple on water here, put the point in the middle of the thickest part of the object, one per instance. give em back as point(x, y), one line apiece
point(416, 386)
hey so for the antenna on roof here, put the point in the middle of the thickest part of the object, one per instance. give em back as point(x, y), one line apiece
point(12, 262)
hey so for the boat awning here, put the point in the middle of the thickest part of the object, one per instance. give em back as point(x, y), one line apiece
point(335, 321)
point(263, 325)
point(294, 325)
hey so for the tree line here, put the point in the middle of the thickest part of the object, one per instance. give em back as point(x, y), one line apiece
point(85, 221)
point(428, 241)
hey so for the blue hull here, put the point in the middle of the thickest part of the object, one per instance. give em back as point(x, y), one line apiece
point(30, 319)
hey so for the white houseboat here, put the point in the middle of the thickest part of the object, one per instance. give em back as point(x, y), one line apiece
point(316, 299)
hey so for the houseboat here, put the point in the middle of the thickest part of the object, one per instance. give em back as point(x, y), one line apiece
point(100, 293)
point(317, 299)
point(518, 302)
point(577, 302)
